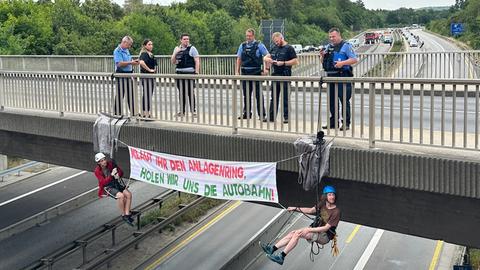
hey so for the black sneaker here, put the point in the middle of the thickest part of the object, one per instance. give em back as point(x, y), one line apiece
point(344, 128)
point(244, 116)
point(128, 219)
point(267, 248)
point(276, 258)
point(285, 121)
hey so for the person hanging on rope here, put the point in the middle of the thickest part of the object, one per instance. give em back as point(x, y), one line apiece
point(320, 232)
point(110, 184)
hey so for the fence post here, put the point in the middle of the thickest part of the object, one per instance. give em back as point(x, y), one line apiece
point(2, 93)
point(59, 90)
point(75, 67)
point(371, 115)
point(234, 108)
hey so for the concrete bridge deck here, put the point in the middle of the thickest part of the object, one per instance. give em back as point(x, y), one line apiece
point(425, 191)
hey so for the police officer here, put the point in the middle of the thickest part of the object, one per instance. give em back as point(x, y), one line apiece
point(250, 62)
point(282, 58)
point(186, 58)
point(337, 60)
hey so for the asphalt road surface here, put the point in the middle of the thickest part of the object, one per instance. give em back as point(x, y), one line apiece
point(360, 247)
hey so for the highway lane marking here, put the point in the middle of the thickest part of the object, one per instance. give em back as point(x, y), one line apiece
point(443, 49)
point(354, 232)
point(436, 255)
point(193, 235)
point(369, 250)
point(42, 188)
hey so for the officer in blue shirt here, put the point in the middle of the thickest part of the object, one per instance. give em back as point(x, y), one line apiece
point(337, 60)
point(124, 64)
point(250, 62)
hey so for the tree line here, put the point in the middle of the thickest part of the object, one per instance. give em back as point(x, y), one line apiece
point(466, 12)
point(95, 27)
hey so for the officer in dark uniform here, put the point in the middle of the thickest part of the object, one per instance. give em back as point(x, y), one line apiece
point(186, 58)
point(250, 62)
point(337, 60)
point(282, 58)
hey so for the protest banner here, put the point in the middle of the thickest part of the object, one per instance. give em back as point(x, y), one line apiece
point(228, 180)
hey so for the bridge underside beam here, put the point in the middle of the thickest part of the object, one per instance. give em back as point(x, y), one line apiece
point(418, 194)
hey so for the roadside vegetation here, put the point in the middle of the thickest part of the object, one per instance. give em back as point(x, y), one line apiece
point(14, 162)
point(95, 27)
point(466, 12)
point(172, 204)
point(475, 258)
point(391, 62)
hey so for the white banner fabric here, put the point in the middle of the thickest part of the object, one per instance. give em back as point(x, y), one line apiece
point(227, 180)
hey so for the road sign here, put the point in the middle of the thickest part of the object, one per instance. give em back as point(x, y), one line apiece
point(456, 29)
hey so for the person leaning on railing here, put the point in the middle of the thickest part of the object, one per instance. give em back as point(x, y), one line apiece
point(187, 59)
point(147, 66)
point(337, 60)
point(124, 64)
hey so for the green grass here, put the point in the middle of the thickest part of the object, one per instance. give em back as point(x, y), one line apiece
point(390, 62)
point(170, 206)
point(14, 162)
point(475, 258)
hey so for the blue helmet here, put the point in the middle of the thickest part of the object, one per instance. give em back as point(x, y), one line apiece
point(329, 189)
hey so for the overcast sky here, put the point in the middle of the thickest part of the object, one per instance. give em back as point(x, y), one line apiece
point(369, 4)
point(376, 4)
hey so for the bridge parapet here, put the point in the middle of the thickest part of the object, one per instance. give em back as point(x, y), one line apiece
point(432, 64)
point(430, 112)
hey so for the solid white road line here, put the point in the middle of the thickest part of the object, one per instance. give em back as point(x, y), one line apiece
point(369, 250)
point(42, 188)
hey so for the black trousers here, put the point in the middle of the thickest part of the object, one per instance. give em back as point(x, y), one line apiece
point(343, 89)
point(124, 85)
point(186, 87)
point(247, 88)
point(148, 86)
point(276, 89)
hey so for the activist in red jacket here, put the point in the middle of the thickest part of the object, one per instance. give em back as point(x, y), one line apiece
point(108, 174)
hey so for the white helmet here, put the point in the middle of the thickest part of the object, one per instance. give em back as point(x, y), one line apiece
point(99, 156)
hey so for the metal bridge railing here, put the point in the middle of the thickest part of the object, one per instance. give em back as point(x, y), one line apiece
point(437, 112)
point(459, 64)
point(210, 64)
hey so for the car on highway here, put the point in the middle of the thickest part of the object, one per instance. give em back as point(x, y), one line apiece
point(308, 48)
point(297, 47)
point(413, 43)
point(355, 42)
point(388, 39)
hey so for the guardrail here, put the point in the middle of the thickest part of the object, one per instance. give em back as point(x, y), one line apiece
point(17, 169)
point(454, 64)
point(434, 112)
point(98, 234)
point(49, 213)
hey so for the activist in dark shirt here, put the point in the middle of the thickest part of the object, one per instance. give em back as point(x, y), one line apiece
point(321, 231)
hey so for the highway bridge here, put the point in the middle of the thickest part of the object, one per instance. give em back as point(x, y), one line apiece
point(411, 152)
